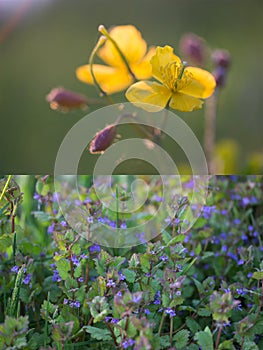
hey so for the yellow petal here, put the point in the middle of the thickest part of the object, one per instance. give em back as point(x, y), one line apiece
point(163, 57)
point(109, 78)
point(149, 92)
point(184, 103)
point(131, 43)
point(143, 70)
point(202, 84)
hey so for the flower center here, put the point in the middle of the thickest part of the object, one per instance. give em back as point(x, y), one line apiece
point(174, 76)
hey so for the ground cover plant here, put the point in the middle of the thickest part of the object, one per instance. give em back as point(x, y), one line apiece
point(202, 289)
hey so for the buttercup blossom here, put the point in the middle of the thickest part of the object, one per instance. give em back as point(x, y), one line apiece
point(182, 87)
point(115, 76)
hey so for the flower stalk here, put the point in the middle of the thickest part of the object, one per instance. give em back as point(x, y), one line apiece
point(106, 34)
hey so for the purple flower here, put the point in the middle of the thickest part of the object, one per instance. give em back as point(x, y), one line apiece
point(101, 220)
point(80, 279)
point(65, 301)
point(27, 279)
point(77, 304)
point(170, 312)
point(164, 257)
point(237, 221)
point(50, 228)
point(121, 276)
point(137, 297)
point(157, 298)
point(245, 201)
point(90, 219)
point(123, 225)
point(240, 262)
point(75, 260)
point(147, 312)
point(63, 223)
point(84, 256)
point(94, 248)
point(127, 343)
point(207, 211)
point(119, 293)
point(37, 196)
point(111, 283)
point(15, 269)
point(56, 277)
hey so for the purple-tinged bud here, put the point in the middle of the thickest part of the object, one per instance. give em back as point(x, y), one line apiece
point(66, 100)
point(220, 74)
point(193, 49)
point(221, 58)
point(103, 139)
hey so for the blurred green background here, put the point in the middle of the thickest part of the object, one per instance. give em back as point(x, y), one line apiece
point(53, 37)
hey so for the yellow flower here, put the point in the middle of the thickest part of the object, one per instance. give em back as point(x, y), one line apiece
point(181, 86)
point(115, 76)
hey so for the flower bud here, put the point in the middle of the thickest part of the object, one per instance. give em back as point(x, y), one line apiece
point(221, 58)
point(220, 74)
point(193, 49)
point(65, 100)
point(103, 139)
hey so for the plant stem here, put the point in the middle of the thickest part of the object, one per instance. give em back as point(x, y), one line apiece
point(171, 330)
point(210, 129)
point(218, 336)
point(161, 324)
point(100, 42)
point(5, 187)
point(104, 32)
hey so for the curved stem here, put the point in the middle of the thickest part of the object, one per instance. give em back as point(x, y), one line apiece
point(104, 32)
point(100, 42)
point(5, 187)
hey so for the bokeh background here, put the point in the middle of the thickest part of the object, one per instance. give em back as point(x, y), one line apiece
point(43, 41)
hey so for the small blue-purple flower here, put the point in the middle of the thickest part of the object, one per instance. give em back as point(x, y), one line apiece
point(127, 343)
point(15, 269)
point(170, 312)
point(111, 283)
point(27, 279)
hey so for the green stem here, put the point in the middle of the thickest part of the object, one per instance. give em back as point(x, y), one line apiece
point(5, 187)
point(100, 42)
point(218, 336)
point(104, 31)
point(210, 129)
point(161, 324)
point(46, 322)
point(117, 207)
point(171, 330)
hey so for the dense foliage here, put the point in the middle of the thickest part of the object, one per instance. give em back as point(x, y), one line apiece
point(202, 289)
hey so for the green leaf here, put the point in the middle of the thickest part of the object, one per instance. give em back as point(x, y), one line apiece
point(63, 267)
point(204, 312)
point(42, 217)
point(205, 339)
point(181, 338)
point(76, 249)
point(98, 333)
point(199, 286)
point(5, 242)
point(193, 325)
point(164, 342)
point(227, 345)
point(258, 275)
point(145, 262)
point(129, 274)
point(250, 345)
point(99, 308)
point(177, 239)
